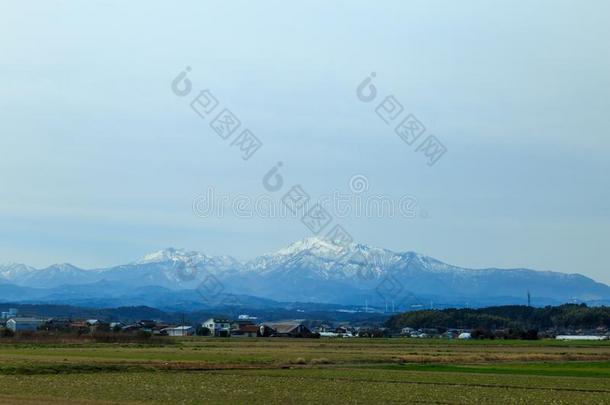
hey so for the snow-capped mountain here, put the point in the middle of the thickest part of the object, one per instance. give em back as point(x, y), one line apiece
point(310, 270)
point(181, 255)
point(11, 271)
point(23, 275)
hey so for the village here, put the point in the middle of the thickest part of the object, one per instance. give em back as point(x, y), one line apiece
point(246, 326)
point(12, 323)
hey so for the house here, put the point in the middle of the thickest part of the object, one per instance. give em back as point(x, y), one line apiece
point(248, 330)
point(160, 329)
point(56, 324)
point(147, 324)
point(239, 323)
point(340, 331)
point(21, 324)
point(99, 327)
point(450, 334)
point(285, 329)
point(80, 326)
point(179, 331)
point(116, 326)
point(324, 328)
point(344, 331)
point(218, 327)
point(131, 328)
point(328, 334)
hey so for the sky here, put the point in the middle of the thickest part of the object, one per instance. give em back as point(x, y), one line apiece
point(101, 162)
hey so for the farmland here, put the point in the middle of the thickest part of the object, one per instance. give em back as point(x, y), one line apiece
point(196, 370)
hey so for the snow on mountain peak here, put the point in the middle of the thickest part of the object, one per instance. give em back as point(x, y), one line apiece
point(170, 254)
point(11, 270)
point(62, 267)
point(316, 246)
point(176, 256)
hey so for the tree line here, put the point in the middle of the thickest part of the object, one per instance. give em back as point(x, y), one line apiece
point(567, 316)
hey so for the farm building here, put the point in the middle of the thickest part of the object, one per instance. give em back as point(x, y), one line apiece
point(179, 331)
point(580, 337)
point(21, 324)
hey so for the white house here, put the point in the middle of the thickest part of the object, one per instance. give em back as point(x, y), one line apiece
point(21, 324)
point(218, 327)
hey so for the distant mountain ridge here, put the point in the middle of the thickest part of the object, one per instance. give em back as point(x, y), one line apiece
point(311, 270)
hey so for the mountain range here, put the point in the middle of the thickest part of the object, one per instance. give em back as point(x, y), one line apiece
point(314, 270)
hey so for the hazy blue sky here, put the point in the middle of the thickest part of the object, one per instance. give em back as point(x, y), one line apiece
point(100, 161)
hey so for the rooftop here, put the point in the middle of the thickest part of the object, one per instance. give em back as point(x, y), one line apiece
point(25, 319)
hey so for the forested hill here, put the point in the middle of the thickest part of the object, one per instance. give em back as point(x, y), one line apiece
point(568, 316)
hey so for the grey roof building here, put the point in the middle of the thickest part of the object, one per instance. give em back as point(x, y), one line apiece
point(21, 324)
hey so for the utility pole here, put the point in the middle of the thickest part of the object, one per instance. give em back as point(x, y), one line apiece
point(529, 299)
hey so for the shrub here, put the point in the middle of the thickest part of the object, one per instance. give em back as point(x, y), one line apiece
point(6, 333)
point(299, 360)
point(26, 334)
point(143, 335)
point(482, 333)
point(531, 334)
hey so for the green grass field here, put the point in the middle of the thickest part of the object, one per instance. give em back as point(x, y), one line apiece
point(207, 370)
